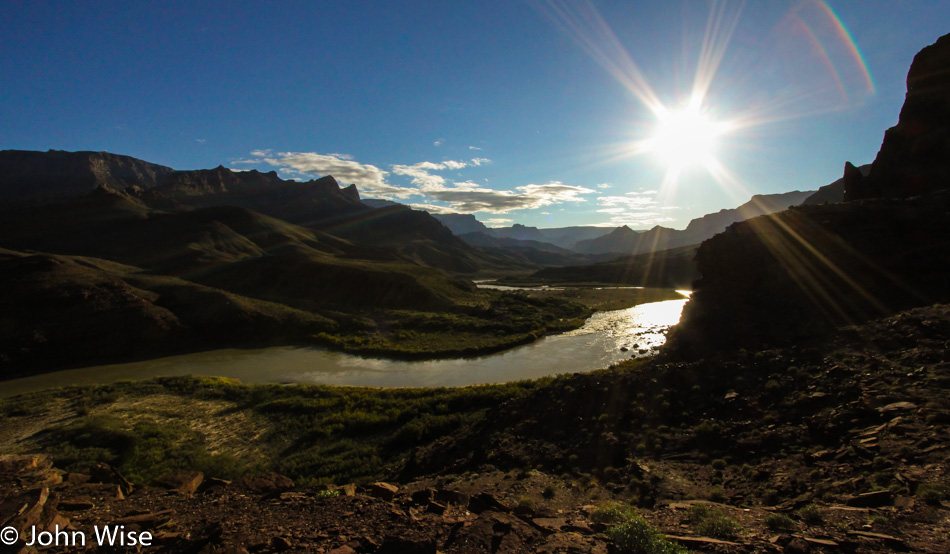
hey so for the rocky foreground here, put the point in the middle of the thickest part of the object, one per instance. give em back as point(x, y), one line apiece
point(838, 446)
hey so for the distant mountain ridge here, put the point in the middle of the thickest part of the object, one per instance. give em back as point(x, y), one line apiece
point(562, 237)
point(592, 240)
point(624, 240)
point(31, 176)
point(70, 180)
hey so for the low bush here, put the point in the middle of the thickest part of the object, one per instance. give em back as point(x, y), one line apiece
point(631, 533)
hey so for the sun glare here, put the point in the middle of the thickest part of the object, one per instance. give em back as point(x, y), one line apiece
point(686, 137)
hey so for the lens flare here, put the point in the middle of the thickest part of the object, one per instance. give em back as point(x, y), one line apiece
point(820, 55)
point(686, 137)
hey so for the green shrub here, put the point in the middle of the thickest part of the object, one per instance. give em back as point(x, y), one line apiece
point(933, 493)
point(779, 522)
point(811, 515)
point(612, 513)
point(631, 533)
point(713, 523)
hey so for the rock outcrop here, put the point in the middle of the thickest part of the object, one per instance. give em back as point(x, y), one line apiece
point(915, 156)
point(800, 273)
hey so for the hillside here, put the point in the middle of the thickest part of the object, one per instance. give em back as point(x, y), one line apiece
point(827, 446)
point(673, 268)
point(66, 311)
point(319, 288)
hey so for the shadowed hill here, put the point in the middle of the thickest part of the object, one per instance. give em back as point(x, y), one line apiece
point(673, 268)
point(530, 252)
point(417, 236)
point(784, 277)
point(65, 310)
point(233, 249)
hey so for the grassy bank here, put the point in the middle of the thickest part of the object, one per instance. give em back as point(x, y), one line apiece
point(314, 434)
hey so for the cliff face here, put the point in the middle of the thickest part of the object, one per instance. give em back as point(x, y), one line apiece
point(34, 178)
point(31, 177)
point(297, 202)
point(915, 155)
point(800, 273)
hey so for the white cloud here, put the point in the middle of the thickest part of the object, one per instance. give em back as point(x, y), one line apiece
point(438, 142)
point(369, 179)
point(419, 173)
point(497, 222)
point(438, 195)
point(603, 186)
point(201, 141)
point(638, 220)
point(474, 148)
point(637, 202)
point(636, 209)
point(471, 198)
point(432, 208)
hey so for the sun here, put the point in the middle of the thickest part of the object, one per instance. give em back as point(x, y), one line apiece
point(686, 137)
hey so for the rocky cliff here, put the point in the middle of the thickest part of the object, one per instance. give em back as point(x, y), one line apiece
point(914, 157)
point(797, 274)
point(30, 177)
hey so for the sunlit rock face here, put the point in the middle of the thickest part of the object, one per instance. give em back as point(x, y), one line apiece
point(796, 275)
point(915, 156)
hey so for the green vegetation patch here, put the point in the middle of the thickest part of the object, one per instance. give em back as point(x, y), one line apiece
point(505, 320)
point(631, 533)
point(313, 434)
point(710, 522)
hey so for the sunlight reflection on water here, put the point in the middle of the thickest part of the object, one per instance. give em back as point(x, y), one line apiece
point(598, 344)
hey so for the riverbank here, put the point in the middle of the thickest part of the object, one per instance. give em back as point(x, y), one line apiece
point(845, 450)
point(482, 322)
point(606, 338)
point(513, 318)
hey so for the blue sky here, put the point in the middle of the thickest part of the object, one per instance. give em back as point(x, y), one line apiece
point(544, 113)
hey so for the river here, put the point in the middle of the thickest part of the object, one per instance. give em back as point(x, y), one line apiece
point(597, 344)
